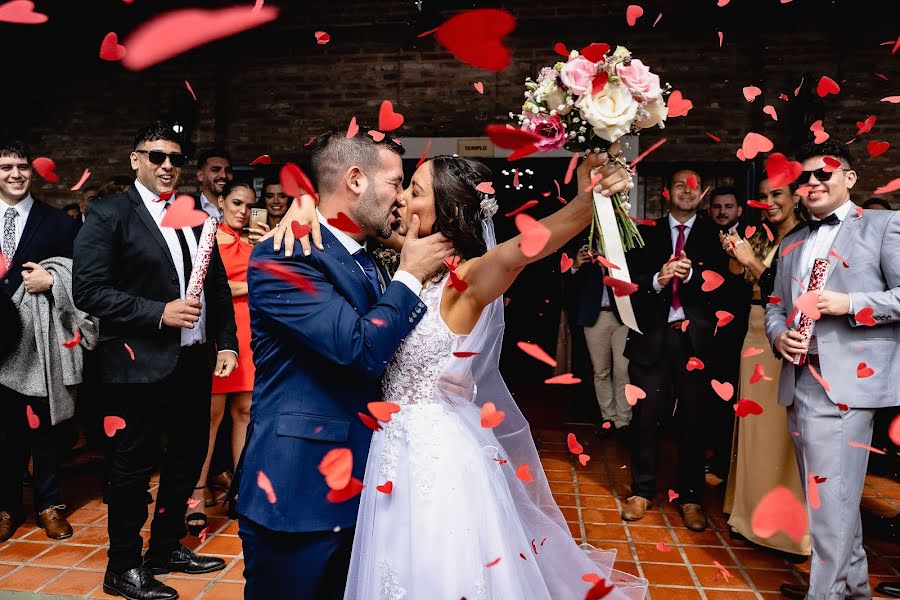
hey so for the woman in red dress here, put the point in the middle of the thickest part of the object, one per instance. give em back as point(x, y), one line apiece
point(235, 203)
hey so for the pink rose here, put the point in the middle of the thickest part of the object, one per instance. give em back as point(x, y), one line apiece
point(550, 128)
point(578, 75)
point(638, 78)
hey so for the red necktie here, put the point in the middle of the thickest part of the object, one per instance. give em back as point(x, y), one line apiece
point(679, 246)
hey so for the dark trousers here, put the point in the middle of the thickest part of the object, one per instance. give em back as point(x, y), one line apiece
point(303, 566)
point(16, 440)
point(177, 407)
point(719, 417)
point(664, 381)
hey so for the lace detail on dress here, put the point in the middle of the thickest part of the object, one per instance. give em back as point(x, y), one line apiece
point(480, 588)
point(390, 583)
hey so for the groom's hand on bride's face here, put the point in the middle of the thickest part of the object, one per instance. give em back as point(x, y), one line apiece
point(421, 257)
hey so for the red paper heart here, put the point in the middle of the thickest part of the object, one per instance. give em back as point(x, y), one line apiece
point(812, 491)
point(619, 287)
point(760, 204)
point(807, 302)
point(299, 230)
point(322, 37)
point(84, 177)
point(866, 316)
point(263, 483)
point(751, 351)
point(877, 148)
point(779, 510)
point(112, 424)
point(633, 393)
point(564, 379)
point(21, 12)
point(535, 351)
point(265, 159)
point(111, 49)
point(129, 350)
point(353, 128)
point(759, 373)
point(383, 410)
point(565, 263)
point(485, 187)
point(535, 235)
point(745, 406)
point(723, 389)
point(691, 182)
point(295, 182)
point(894, 431)
point(337, 467)
point(351, 491)
point(694, 363)
point(751, 92)
point(385, 488)
point(181, 213)
point(595, 52)
point(770, 110)
point(465, 354)
point(663, 547)
point(76, 339)
point(33, 420)
point(45, 168)
point(510, 137)
point(826, 86)
point(476, 37)
point(711, 280)
point(388, 120)
point(490, 416)
point(724, 318)
point(866, 126)
point(574, 446)
point(172, 33)
point(561, 49)
point(863, 370)
point(583, 459)
point(831, 164)
point(609, 265)
point(479, 87)
point(749, 230)
point(782, 171)
point(673, 495)
point(632, 14)
point(599, 590)
point(285, 273)
point(369, 422)
point(523, 473)
point(754, 143)
point(344, 223)
point(677, 105)
point(457, 282)
point(599, 82)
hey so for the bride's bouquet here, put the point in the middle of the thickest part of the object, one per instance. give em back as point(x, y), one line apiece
point(587, 103)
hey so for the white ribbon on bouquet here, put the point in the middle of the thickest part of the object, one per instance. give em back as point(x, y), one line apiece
point(615, 253)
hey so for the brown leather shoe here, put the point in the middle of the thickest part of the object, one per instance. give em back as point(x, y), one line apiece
point(693, 516)
point(8, 526)
point(635, 509)
point(54, 523)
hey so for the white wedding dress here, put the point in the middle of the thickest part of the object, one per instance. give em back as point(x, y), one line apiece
point(457, 522)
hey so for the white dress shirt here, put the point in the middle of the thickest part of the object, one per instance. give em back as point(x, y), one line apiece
point(157, 210)
point(211, 208)
point(352, 246)
point(677, 314)
point(23, 209)
point(818, 245)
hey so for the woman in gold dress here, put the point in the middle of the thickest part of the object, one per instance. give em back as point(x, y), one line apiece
point(763, 455)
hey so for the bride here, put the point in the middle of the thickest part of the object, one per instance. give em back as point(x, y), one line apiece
point(456, 503)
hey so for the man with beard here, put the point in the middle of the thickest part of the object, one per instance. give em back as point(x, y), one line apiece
point(213, 172)
point(724, 208)
point(677, 319)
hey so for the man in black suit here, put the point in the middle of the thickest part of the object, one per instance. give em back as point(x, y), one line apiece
point(30, 231)
point(156, 355)
point(677, 319)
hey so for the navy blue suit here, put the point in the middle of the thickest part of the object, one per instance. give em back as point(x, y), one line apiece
point(319, 359)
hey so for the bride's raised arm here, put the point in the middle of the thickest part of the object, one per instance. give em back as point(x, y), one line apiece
point(490, 275)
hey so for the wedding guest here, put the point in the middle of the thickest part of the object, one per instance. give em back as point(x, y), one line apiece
point(87, 194)
point(156, 356)
point(213, 172)
point(724, 208)
point(605, 336)
point(677, 319)
point(275, 201)
point(763, 455)
point(877, 204)
point(114, 185)
point(32, 232)
point(830, 402)
point(73, 211)
point(234, 204)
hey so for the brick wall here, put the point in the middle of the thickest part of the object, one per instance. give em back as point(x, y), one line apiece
point(269, 90)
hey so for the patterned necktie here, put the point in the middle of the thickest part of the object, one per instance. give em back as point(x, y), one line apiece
point(371, 270)
point(679, 246)
point(9, 235)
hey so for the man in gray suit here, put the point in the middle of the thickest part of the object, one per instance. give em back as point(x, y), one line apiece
point(854, 345)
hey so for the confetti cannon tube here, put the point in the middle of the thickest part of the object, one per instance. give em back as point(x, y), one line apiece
point(201, 263)
point(816, 282)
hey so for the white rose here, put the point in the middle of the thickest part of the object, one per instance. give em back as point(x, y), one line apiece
point(653, 114)
point(610, 112)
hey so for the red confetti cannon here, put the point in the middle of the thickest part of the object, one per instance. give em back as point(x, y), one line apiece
point(816, 282)
point(201, 264)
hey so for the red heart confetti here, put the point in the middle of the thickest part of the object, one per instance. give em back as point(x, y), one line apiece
point(181, 214)
point(865, 126)
point(760, 204)
point(673, 495)
point(45, 168)
point(523, 473)
point(522, 208)
point(714, 138)
point(812, 491)
point(892, 99)
point(594, 52)
point(583, 459)
point(768, 232)
point(779, 510)
point(457, 282)
point(791, 247)
point(782, 171)
point(759, 374)
point(510, 137)
point(369, 422)
point(337, 467)
point(745, 406)
point(479, 87)
point(564, 379)
point(112, 424)
point(754, 143)
point(385, 488)
point(751, 92)
point(892, 186)
point(770, 110)
point(600, 590)
point(866, 447)
point(677, 105)
point(843, 407)
point(599, 82)
point(493, 563)
point(691, 182)
point(192, 503)
point(807, 302)
point(490, 416)
point(265, 159)
point(694, 364)
point(296, 183)
point(111, 49)
point(723, 389)
point(877, 148)
point(129, 350)
point(749, 230)
point(76, 339)
point(476, 37)
point(33, 420)
point(826, 86)
point(465, 354)
point(21, 12)
point(711, 280)
point(894, 431)
point(84, 177)
point(383, 410)
point(831, 164)
point(843, 262)
point(351, 491)
point(285, 273)
point(353, 128)
point(388, 120)
point(724, 318)
point(535, 235)
point(619, 287)
point(663, 547)
point(322, 37)
point(574, 446)
point(561, 49)
point(633, 393)
point(819, 378)
point(865, 316)
point(722, 571)
point(863, 370)
point(344, 223)
point(299, 230)
point(565, 263)
point(535, 351)
point(632, 14)
point(751, 351)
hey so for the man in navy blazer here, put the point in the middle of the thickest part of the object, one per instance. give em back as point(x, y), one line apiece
point(324, 327)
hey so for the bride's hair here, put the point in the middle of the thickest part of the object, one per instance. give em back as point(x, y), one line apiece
point(457, 204)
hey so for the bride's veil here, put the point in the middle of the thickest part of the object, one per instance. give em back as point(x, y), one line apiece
point(467, 384)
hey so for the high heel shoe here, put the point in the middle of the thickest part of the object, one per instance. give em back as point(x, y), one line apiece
point(196, 521)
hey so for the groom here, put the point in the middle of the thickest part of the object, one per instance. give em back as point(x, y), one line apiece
point(319, 355)
point(855, 349)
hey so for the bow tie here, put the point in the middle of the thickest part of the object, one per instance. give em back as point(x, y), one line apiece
point(831, 219)
point(165, 196)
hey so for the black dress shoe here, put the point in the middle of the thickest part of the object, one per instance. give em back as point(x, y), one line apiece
point(793, 590)
point(889, 588)
point(137, 584)
point(183, 560)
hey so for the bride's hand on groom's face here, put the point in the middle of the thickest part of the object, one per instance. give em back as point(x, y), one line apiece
point(422, 257)
point(303, 212)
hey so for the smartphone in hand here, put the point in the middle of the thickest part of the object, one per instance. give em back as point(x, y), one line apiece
point(257, 217)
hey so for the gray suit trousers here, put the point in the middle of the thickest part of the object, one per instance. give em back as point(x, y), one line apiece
point(822, 434)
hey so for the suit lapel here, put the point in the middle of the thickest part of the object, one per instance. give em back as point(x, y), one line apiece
point(337, 250)
point(791, 263)
point(137, 204)
point(842, 241)
point(35, 217)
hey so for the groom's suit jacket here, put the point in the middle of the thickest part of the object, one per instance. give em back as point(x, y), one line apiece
point(869, 243)
point(319, 358)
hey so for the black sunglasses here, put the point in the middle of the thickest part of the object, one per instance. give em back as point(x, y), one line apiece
point(821, 175)
point(158, 157)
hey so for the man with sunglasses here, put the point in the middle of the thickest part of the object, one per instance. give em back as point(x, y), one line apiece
point(851, 361)
point(156, 353)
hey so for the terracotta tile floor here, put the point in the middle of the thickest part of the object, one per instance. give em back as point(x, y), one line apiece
point(590, 497)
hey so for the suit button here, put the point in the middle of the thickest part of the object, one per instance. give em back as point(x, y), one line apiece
point(175, 280)
point(411, 319)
